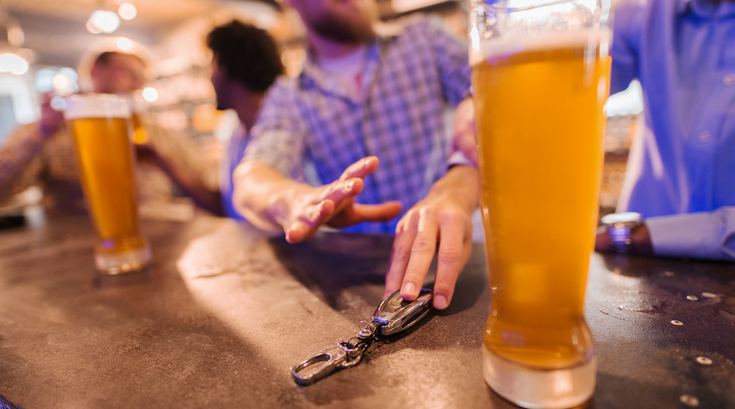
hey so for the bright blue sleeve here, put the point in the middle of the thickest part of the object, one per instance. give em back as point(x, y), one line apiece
point(452, 59)
point(627, 26)
point(708, 235)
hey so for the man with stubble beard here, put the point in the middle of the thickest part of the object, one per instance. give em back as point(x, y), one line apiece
point(364, 99)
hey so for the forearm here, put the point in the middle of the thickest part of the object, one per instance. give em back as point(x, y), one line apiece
point(263, 195)
point(204, 197)
point(464, 140)
point(461, 184)
point(17, 153)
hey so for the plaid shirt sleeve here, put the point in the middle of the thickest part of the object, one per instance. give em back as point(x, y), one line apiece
point(278, 135)
point(452, 59)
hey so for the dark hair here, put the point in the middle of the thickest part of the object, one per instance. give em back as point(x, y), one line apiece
point(247, 54)
point(105, 57)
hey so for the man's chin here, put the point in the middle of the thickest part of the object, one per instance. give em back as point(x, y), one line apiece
point(350, 35)
point(357, 31)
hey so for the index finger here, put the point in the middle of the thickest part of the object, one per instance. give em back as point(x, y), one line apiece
point(454, 250)
point(361, 168)
point(401, 252)
point(422, 253)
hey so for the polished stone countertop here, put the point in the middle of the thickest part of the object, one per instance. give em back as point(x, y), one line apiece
point(224, 311)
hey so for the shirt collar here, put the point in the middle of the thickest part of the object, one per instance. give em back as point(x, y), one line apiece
point(312, 75)
point(706, 8)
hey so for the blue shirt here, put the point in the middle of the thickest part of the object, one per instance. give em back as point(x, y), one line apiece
point(681, 172)
point(230, 160)
point(407, 81)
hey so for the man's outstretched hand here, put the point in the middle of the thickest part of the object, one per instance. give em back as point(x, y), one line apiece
point(274, 202)
point(271, 201)
point(334, 204)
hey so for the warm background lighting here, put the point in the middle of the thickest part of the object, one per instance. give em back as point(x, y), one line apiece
point(58, 103)
point(150, 94)
point(13, 64)
point(127, 11)
point(124, 44)
point(104, 21)
point(92, 28)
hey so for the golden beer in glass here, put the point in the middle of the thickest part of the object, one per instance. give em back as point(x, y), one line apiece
point(541, 79)
point(100, 127)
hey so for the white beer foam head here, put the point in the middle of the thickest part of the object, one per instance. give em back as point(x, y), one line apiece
point(97, 106)
point(549, 40)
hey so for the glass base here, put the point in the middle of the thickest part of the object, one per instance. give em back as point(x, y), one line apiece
point(537, 388)
point(126, 262)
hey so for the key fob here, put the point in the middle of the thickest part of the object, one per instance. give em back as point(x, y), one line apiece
point(396, 314)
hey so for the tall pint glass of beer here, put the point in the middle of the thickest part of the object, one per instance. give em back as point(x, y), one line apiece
point(99, 125)
point(540, 78)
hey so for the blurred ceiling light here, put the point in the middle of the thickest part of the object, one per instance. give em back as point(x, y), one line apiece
point(10, 26)
point(15, 59)
point(16, 36)
point(13, 64)
point(60, 81)
point(150, 94)
point(65, 81)
point(69, 73)
point(92, 28)
point(127, 11)
point(404, 6)
point(58, 103)
point(106, 21)
point(124, 44)
point(45, 80)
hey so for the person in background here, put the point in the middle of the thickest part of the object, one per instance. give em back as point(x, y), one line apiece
point(362, 99)
point(681, 171)
point(41, 153)
point(245, 64)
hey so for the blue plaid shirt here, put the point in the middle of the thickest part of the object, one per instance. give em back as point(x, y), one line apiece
point(408, 80)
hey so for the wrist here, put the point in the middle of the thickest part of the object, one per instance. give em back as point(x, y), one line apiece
point(641, 238)
point(620, 227)
point(460, 185)
point(627, 233)
point(284, 202)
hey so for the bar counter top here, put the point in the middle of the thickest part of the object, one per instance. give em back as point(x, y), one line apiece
point(224, 311)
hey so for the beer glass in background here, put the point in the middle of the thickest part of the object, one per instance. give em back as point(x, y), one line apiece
point(540, 78)
point(100, 127)
point(140, 135)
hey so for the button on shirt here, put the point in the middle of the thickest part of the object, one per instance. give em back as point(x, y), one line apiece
point(683, 53)
point(398, 117)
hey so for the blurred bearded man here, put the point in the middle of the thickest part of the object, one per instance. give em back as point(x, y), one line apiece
point(41, 153)
point(362, 99)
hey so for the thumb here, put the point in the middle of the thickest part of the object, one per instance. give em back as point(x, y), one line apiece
point(358, 213)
